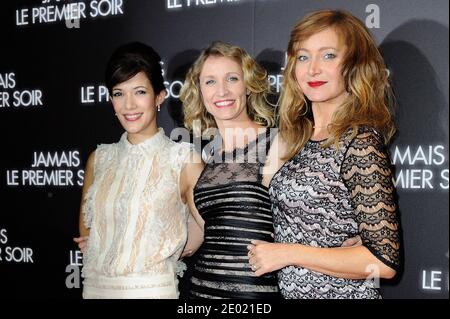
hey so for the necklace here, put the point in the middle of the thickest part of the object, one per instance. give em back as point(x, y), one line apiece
point(320, 127)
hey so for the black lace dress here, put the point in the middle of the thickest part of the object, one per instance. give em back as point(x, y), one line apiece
point(236, 209)
point(323, 196)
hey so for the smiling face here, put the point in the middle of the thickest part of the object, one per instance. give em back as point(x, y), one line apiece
point(223, 89)
point(135, 103)
point(318, 68)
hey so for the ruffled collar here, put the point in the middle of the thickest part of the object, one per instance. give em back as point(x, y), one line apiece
point(148, 146)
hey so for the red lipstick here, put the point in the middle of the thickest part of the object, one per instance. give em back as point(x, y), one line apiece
point(316, 83)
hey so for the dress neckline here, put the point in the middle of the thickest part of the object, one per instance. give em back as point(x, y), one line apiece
point(317, 141)
point(246, 147)
point(148, 145)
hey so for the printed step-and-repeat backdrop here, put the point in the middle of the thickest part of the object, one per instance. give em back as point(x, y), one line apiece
point(54, 110)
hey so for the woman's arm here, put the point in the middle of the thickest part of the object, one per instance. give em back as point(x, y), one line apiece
point(367, 174)
point(275, 159)
point(344, 262)
point(189, 176)
point(87, 182)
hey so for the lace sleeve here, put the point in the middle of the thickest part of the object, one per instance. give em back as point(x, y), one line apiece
point(367, 173)
point(181, 155)
point(88, 208)
point(88, 200)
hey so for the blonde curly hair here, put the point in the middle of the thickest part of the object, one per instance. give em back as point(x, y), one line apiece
point(256, 83)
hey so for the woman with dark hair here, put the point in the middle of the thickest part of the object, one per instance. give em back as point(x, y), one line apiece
point(137, 191)
point(335, 122)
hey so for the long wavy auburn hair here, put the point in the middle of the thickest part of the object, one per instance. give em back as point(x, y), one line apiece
point(370, 100)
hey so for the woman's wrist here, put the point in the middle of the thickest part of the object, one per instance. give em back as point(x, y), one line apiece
point(291, 254)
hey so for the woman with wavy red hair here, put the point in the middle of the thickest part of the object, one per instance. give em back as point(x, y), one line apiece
point(335, 122)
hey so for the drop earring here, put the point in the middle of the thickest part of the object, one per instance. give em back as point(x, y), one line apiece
point(159, 107)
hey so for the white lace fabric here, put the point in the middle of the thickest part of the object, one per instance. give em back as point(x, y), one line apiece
point(137, 220)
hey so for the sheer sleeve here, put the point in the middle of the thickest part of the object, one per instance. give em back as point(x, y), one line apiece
point(88, 200)
point(366, 170)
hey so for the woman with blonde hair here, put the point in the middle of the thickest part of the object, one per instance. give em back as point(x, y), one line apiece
point(256, 84)
point(335, 122)
point(226, 91)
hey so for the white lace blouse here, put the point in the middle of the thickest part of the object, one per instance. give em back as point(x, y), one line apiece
point(137, 220)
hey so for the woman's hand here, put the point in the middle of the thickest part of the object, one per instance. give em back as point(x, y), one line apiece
point(82, 242)
point(265, 257)
point(352, 242)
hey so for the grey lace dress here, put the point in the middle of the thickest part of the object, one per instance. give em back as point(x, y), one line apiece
point(323, 196)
